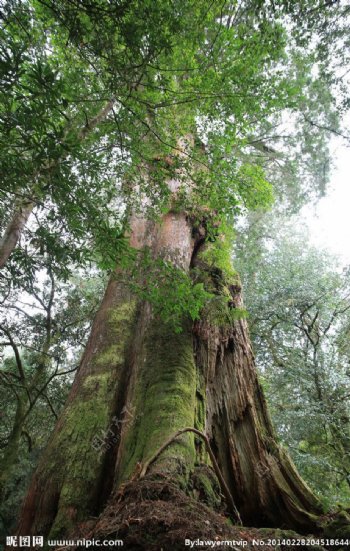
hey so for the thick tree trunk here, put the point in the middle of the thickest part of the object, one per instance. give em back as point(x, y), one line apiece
point(127, 367)
point(71, 471)
point(138, 384)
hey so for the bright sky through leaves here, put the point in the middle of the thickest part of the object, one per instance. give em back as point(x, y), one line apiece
point(329, 220)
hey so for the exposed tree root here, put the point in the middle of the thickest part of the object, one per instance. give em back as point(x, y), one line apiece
point(154, 515)
point(225, 489)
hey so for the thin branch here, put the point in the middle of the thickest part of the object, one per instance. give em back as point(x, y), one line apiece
point(16, 352)
point(326, 128)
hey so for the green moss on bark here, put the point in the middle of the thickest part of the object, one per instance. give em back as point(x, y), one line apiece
point(164, 402)
point(74, 460)
point(206, 487)
point(338, 527)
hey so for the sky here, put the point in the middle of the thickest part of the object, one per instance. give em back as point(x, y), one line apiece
point(329, 220)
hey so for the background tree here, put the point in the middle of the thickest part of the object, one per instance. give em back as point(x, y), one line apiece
point(44, 325)
point(298, 299)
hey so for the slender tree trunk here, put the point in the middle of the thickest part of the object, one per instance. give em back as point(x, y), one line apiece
point(24, 208)
point(19, 219)
point(10, 456)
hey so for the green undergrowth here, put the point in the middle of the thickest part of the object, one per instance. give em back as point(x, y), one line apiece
point(217, 252)
point(171, 291)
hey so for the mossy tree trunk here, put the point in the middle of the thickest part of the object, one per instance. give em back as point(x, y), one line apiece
point(68, 480)
point(139, 383)
point(135, 386)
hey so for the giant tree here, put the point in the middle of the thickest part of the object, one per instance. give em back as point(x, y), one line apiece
point(166, 399)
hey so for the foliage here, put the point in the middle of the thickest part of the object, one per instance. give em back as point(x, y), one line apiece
point(77, 120)
point(218, 312)
point(86, 129)
point(171, 291)
point(217, 253)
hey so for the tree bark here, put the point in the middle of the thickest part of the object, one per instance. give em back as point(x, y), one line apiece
point(19, 219)
point(263, 480)
point(10, 456)
point(118, 371)
point(70, 472)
